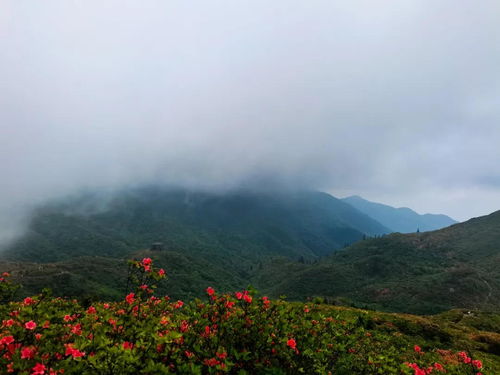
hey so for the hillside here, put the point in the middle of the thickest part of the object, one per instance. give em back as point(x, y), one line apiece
point(403, 220)
point(458, 266)
point(219, 238)
point(237, 333)
point(248, 224)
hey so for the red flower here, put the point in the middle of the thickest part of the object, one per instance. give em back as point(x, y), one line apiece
point(292, 343)
point(28, 301)
point(128, 345)
point(8, 323)
point(146, 261)
point(28, 353)
point(130, 298)
point(7, 340)
point(438, 366)
point(184, 326)
point(91, 310)
point(417, 349)
point(464, 357)
point(188, 354)
point(161, 272)
point(477, 363)
point(238, 295)
point(247, 298)
point(178, 304)
point(39, 369)
point(31, 325)
point(222, 355)
point(77, 329)
point(210, 291)
point(211, 362)
point(75, 353)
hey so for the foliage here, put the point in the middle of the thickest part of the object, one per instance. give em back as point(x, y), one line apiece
point(238, 333)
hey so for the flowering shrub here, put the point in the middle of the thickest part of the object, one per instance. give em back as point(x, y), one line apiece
point(240, 333)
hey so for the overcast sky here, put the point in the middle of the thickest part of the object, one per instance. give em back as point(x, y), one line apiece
point(397, 101)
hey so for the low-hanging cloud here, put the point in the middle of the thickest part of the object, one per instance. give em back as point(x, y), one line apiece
point(396, 101)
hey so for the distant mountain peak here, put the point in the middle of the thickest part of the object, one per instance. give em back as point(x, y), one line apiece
point(400, 219)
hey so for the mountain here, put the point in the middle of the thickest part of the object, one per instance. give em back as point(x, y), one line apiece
point(308, 224)
point(403, 220)
point(230, 234)
point(455, 267)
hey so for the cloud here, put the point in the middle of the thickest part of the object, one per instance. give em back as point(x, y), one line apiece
point(391, 100)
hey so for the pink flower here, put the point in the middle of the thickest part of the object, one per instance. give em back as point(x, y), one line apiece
point(477, 363)
point(7, 340)
point(39, 369)
point(28, 353)
point(91, 310)
point(8, 323)
point(161, 272)
point(31, 325)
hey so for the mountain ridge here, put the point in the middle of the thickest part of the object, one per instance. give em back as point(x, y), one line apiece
point(402, 219)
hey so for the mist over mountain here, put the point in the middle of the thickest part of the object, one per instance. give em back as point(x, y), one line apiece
point(403, 220)
point(222, 96)
point(245, 223)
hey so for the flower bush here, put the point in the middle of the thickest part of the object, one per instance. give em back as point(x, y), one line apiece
point(238, 333)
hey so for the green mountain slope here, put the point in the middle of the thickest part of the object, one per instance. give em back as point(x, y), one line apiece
point(220, 239)
point(244, 224)
point(458, 266)
point(403, 220)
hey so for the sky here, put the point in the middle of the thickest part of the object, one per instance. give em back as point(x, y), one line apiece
point(396, 101)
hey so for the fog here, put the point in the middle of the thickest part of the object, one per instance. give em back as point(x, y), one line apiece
point(398, 102)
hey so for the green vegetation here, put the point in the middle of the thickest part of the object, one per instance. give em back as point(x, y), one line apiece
point(421, 273)
point(245, 226)
point(240, 333)
point(276, 242)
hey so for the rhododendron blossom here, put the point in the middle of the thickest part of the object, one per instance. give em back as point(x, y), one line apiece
point(31, 325)
point(128, 345)
point(28, 353)
point(39, 369)
point(130, 298)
